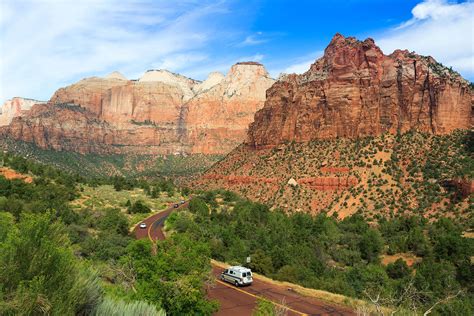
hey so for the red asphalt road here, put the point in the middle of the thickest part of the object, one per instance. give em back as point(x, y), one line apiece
point(242, 300)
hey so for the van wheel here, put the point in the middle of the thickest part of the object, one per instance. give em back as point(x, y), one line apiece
point(236, 284)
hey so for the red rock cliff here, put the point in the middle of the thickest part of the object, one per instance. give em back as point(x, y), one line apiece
point(161, 113)
point(355, 90)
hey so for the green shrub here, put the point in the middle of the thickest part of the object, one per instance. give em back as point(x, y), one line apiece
point(111, 307)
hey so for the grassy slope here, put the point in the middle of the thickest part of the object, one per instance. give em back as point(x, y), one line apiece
point(402, 174)
point(92, 165)
point(105, 196)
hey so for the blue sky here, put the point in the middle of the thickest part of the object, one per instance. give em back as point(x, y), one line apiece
point(46, 44)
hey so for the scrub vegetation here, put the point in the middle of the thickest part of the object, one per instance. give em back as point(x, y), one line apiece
point(66, 249)
point(340, 256)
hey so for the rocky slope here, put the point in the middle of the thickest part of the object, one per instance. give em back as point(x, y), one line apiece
point(161, 113)
point(355, 90)
point(412, 174)
point(15, 107)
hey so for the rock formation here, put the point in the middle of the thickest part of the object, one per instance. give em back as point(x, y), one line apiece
point(15, 107)
point(161, 113)
point(217, 118)
point(355, 90)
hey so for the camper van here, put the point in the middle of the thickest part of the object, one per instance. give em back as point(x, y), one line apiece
point(237, 275)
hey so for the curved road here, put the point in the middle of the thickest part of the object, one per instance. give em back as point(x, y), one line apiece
point(242, 300)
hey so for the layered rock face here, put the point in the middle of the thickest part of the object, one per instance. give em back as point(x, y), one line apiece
point(355, 90)
point(161, 113)
point(15, 107)
point(217, 118)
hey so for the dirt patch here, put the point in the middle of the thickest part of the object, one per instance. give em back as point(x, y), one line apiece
point(468, 234)
point(11, 174)
point(409, 258)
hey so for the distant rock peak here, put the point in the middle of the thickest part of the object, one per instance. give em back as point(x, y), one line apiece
point(15, 107)
point(116, 75)
point(251, 63)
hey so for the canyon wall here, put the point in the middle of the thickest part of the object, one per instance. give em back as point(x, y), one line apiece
point(355, 90)
point(160, 113)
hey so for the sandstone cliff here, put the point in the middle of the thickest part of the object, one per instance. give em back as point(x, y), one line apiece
point(355, 90)
point(15, 107)
point(217, 118)
point(161, 113)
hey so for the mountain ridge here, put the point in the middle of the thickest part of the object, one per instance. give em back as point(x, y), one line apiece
point(148, 115)
point(355, 90)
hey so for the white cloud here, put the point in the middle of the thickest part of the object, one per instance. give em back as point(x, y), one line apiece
point(299, 68)
point(442, 29)
point(298, 65)
point(46, 44)
point(254, 39)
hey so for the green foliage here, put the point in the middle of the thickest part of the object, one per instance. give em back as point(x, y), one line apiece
point(436, 279)
point(112, 307)
point(6, 225)
point(398, 269)
point(264, 308)
point(115, 221)
point(261, 262)
point(199, 207)
point(371, 245)
point(39, 273)
point(371, 278)
point(320, 252)
point(174, 277)
point(138, 207)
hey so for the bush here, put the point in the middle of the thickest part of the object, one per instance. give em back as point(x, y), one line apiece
point(199, 207)
point(40, 274)
point(371, 245)
point(398, 269)
point(115, 221)
point(139, 207)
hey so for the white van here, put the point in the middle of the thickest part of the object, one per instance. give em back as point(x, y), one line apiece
point(237, 275)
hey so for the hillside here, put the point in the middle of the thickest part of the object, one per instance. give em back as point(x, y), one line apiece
point(411, 173)
point(128, 164)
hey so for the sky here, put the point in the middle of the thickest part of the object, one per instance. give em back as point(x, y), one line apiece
point(48, 44)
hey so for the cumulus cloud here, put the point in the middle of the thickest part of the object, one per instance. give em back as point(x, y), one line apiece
point(438, 28)
point(46, 44)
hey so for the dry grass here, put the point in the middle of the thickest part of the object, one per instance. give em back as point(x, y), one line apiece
point(468, 234)
point(409, 258)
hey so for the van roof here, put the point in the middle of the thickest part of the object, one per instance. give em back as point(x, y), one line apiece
point(239, 268)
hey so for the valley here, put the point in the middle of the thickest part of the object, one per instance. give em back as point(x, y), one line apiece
point(347, 189)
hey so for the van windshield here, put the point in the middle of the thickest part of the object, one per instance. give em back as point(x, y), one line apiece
point(246, 274)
